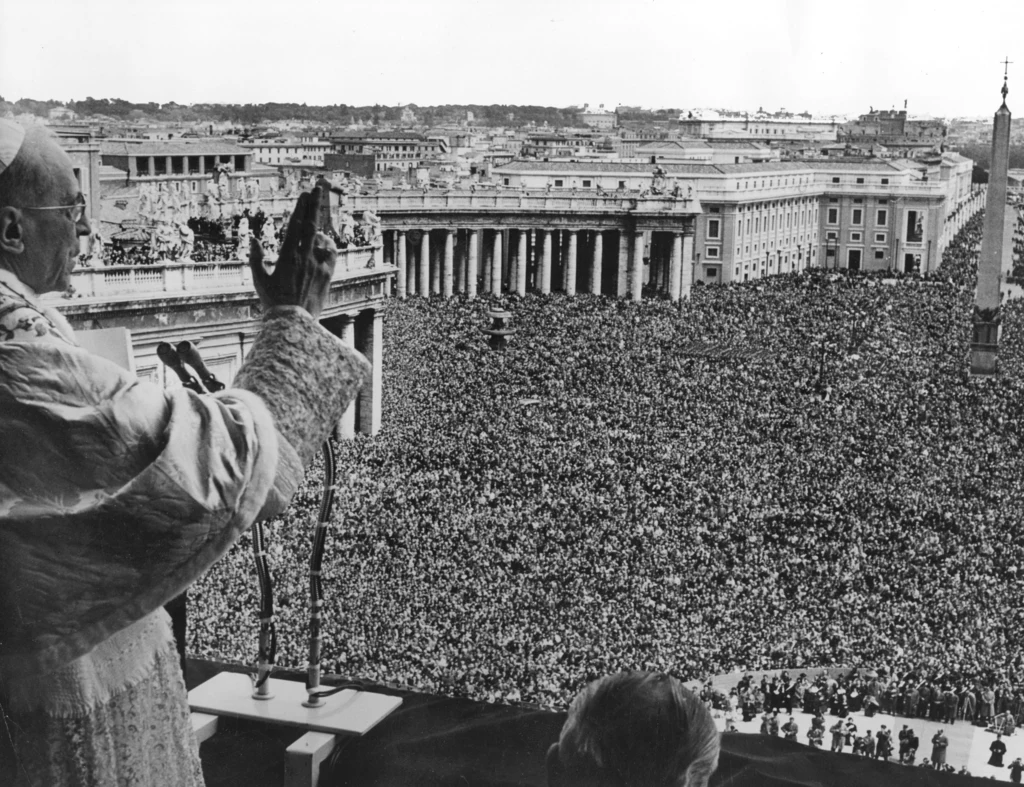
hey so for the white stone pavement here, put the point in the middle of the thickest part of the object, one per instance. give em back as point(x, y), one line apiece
point(967, 743)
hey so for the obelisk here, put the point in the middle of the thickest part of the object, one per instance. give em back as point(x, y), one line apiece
point(996, 259)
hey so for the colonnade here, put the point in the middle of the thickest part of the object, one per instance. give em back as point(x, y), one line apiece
point(494, 261)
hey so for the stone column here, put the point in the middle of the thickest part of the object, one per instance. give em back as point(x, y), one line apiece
point(637, 281)
point(460, 257)
point(570, 264)
point(687, 263)
point(372, 345)
point(449, 263)
point(388, 250)
point(400, 262)
point(347, 424)
point(424, 282)
point(596, 268)
point(522, 263)
point(435, 270)
point(675, 270)
point(488, 264)
point(472, 263)
point(545, 264)
point(623, 282)
point(512, 255)
point(496, 264)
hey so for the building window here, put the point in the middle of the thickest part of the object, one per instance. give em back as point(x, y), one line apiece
point(885, 181)
point(507, 182)
point(713, 228)
point(559, 183)
point(715, 210)
point(712, 273)
point(831, 235)
point(858, 216)
point(858, 201)
point(711, 252)
point(586, 184)
point(883, 202)
point(881, 217)
point(833, 200)
point(622, 184)
point(833, 216)
point(860, 180)
point(835, 180)
point(879, 254)
point(855, 237)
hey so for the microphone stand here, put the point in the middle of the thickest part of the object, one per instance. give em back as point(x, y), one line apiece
point(175, 359)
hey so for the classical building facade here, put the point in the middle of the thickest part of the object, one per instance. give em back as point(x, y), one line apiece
point(760, 128)
point(773, 217)
point(475, 243)
point(308, 153)
point(401, 150)
point(197, 158)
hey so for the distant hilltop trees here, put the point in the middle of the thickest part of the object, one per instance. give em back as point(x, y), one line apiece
point(337, 114)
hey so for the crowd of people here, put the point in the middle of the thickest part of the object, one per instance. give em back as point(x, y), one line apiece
point(591, 499)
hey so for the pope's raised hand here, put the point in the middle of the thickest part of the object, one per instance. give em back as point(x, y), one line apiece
point(305, 266)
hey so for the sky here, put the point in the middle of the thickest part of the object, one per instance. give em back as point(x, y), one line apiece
point(943, 59)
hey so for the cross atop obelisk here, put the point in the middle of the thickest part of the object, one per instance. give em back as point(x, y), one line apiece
point(995, 259)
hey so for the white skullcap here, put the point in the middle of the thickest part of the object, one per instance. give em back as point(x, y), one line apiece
point(11, 137)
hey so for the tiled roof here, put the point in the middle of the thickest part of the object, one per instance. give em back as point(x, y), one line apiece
point(171, 147)
point(860, 166)
point(764, 167)
point(679, 144)
point(352, 136)
point(601, 166)
point(737, 145)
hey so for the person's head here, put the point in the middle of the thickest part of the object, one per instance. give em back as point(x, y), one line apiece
point(635, 729)
point(38, 227)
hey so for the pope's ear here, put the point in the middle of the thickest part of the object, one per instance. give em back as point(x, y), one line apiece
point(556, 775)
point(11, 240)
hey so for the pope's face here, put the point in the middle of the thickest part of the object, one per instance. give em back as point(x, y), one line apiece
point(51, 236)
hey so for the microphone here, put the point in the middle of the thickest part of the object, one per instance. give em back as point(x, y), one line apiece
point(188, 353)
point(170, 359)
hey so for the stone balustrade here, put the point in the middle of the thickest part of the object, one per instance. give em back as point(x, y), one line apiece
point(539, 200)
point(193, 278)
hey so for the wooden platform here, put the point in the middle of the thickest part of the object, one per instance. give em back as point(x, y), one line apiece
point(348, 712)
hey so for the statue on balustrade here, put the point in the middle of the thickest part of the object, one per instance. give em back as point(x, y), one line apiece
point(162, 242)
point(346, 228)
point(659, 181)
point(188, 201)
point(254, 191)
point(211, 208)
point(145, 201)
point(244, 234)
point(224, 188)
point(371, 228)
point(186, 241)
point(95, 249)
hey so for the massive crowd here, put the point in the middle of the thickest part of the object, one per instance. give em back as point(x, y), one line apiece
point(593, 499)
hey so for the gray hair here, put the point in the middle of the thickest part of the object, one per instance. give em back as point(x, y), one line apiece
point(637, 729)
